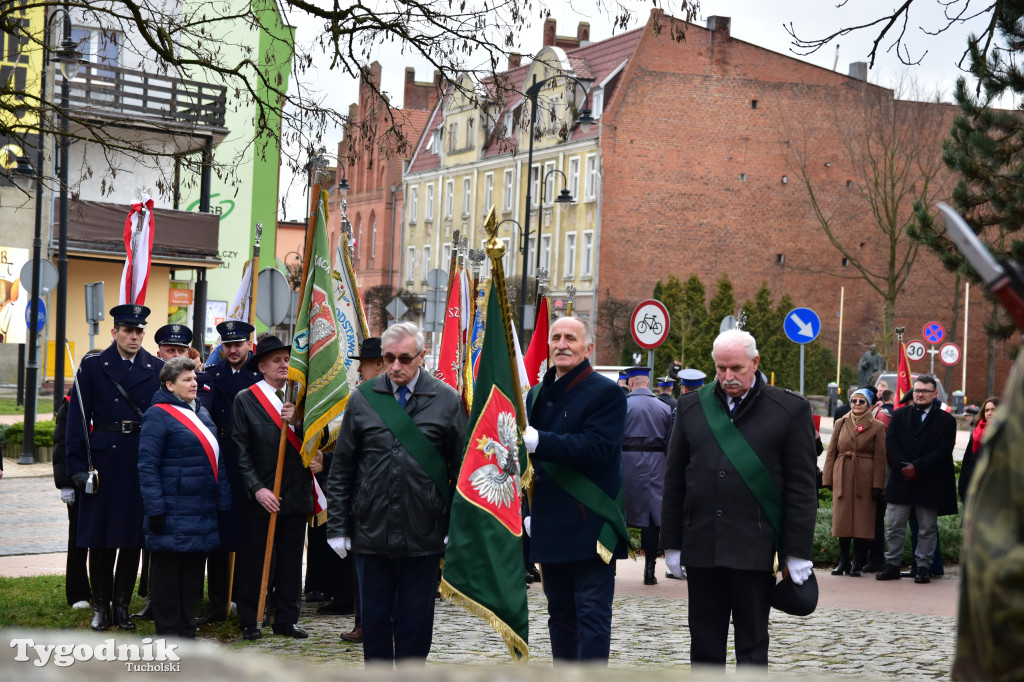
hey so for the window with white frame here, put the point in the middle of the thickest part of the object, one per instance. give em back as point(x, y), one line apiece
point(506, 202)
point(569, 269)
point(488, 192)
point(467, 197)
point(485, 269)
point(531, 264)
point(597, 103)
point(534, 186)
point(549, 182)
point(413, 204)
point(429, 217)
point(410, 264)
point(469, 134)
point(587, 257)
point(507, 123)
point(449, 198)
point(574, 178)
point(507, 241)
point(426, 262)
point(453, 135)
point(99, 46)
point(373, 237)
point(446, 256)
point(545, 253)
point(590, 180)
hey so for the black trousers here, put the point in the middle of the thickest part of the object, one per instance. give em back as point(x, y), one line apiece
point(397, 596)
point(103, 562)
point(876, 547)
point(579, 595)
point(326, 571)
point(717, 593)
point(76, 576)
point(649, 542)
point(176, 584)
point(285, 568)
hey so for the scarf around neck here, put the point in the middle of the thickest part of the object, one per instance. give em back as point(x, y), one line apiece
point(977, 434)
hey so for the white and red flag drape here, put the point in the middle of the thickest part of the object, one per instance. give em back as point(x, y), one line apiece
point(139, 228)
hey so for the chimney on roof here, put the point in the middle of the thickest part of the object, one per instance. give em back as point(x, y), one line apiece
point(549, 31)
point(514, 60)
point(583, 31)
point(719, 27)
point(859, 70)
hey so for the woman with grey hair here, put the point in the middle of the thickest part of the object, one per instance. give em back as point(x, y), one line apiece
point(184, 487)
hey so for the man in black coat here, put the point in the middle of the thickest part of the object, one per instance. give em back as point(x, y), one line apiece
point(114, 389)
point(711, 520)
point(919, 444)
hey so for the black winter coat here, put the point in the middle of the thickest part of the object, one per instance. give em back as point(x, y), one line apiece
point(928, 445)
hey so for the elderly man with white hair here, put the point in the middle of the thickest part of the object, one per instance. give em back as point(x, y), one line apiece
point(739, 487)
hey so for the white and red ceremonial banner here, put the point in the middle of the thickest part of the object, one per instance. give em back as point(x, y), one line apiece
point(524, 380)
point(449, 359)
point(239, 308)
point(536, 360)
point(351, 319)
point(139, 228)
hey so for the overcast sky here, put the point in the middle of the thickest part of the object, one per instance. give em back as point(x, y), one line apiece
point(760, 22)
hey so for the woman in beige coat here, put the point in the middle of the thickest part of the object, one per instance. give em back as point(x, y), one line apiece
point(855, 472)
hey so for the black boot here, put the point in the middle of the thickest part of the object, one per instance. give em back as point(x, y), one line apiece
point(860, 551)
point(124, 585)
point(649, 577)
point(844, 557)
point(146, 613)
point(100, 615)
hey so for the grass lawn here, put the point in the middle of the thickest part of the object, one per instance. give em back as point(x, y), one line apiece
point(10, 406)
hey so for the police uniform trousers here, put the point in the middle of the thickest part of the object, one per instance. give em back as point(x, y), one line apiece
point(285, 582)
point(397, 606)
point(714, 595)
point(176, 584)
point(579, 595)
point(76, 576)
point(112, 572)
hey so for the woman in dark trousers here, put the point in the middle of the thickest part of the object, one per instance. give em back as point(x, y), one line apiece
point(184, 487)
point(970, 460)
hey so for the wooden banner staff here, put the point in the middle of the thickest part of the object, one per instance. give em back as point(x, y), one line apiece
point(289, 397)
point(452, 262)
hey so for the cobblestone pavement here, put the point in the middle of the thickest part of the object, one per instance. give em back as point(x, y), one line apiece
point(873, 642)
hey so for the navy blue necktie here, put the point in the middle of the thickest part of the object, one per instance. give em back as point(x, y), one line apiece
point(127, 365)
point(735, 406)
point(403, 395)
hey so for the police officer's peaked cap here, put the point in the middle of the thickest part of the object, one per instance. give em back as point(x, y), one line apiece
point(129, 315)
point(692, 378)
point(234, 330)
point(665, 382)
point(638, 372)
point(173, 335)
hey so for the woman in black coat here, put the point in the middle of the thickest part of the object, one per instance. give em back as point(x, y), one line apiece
point(970, 459)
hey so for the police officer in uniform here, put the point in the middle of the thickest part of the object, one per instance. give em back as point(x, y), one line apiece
point(114, 389)
point(227, 379)
point(690, 380)
point(665, 387)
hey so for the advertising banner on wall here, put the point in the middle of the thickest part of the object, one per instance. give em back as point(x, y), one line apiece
point(14, 298)
point(21, 63)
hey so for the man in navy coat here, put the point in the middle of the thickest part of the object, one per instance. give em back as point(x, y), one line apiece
point(113, 389)
point(574, 439)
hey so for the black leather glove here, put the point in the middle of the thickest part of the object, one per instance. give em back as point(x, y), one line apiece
point(78, 480)
point(158, 523)
point(876, 495)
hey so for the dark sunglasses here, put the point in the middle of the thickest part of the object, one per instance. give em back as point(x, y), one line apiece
point(389, 358)
point(858, 402)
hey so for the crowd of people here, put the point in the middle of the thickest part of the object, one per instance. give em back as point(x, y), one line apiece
point(162, 454)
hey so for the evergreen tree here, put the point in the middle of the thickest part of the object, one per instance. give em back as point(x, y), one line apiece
point(670, 293)
point(693, 319)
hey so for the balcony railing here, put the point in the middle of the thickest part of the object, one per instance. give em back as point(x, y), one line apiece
point(139, 94)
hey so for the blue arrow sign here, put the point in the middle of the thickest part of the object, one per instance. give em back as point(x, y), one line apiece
point(41, 322)
point(802, 325)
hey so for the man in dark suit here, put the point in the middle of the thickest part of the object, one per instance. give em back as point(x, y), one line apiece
point(712, 518)
point(114, 389)
point(577, 529)
point(919, 443)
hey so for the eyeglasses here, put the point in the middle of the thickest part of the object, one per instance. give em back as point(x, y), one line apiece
point(389, 358)
point(858, 402)
point(923, 390)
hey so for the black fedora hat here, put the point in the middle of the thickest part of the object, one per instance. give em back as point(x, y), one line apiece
point(265, 347)
point(369, 350)
point(796, 600)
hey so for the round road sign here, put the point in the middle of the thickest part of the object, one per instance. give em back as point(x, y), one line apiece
point(934, 333)
point(915, 350)
point(949, 354)
point(649, 324)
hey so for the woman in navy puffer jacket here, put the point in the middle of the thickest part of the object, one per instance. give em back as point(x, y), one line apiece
point(184, 486)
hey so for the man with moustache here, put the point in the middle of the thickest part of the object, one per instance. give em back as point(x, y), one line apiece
point(576, 526)
point(713, 521)
point(389, 492)
point(258, 415)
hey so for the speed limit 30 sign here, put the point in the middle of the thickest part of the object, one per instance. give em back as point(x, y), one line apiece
point(949, 354)
point(915, 350)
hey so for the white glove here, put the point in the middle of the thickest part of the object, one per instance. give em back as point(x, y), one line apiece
point(67, 495)
point(526, 525)
point(673, 559)
point(799, 569)
point(341, 545)
point(446, 540)
point(530, 439)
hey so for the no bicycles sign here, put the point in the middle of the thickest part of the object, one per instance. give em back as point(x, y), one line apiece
point(649, 324)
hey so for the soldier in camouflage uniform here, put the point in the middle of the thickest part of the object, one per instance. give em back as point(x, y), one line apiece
point(990, 634)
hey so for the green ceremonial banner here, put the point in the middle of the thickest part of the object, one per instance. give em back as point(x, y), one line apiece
point(317, 363)
point(483, 563)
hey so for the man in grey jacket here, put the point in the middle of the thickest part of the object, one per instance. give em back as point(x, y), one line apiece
point(711, 520)
point(389, 494)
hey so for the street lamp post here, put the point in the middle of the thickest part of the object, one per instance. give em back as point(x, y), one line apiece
point(564, 200)
point(584, 119)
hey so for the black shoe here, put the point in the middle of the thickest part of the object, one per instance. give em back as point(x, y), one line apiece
point(316, 596)
point(251, 632)
point(873, 568)
point(649, 577)
point(120, 616)
point(922, 577)
point(336, 608)
point(290, 630)
point(843, 567)
point(100, 617)
point(889, 572)
point(533, 573)
point(146, 613)
point(212, 616)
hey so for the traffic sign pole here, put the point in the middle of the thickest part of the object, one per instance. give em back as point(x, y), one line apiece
point(801, 369)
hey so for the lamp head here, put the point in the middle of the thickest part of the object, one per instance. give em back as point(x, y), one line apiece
point(69, 58)
point(564, 199)
point(585, 120)
point(343, 188)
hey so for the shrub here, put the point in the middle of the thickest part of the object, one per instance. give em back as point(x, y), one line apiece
point(42, 436)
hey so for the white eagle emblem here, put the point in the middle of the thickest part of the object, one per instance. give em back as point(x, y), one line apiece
point(497, 483)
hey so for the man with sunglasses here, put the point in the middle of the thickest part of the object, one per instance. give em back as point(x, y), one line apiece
point(389, 492)
point(919, 442)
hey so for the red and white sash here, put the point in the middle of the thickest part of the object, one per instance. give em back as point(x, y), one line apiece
point(272, 405)
point(191, 421)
